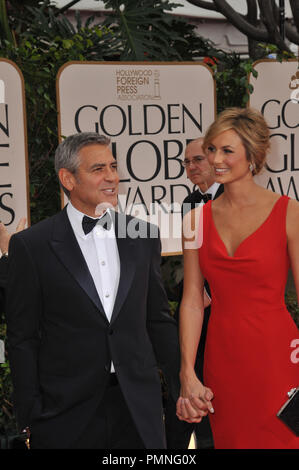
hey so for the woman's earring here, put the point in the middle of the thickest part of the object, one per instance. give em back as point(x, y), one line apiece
point(252, 167)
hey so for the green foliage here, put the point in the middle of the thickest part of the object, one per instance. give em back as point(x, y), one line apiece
point(144, 31)
point(232, 81)
point(274, 51)
point(145, 36)
point(5, 31)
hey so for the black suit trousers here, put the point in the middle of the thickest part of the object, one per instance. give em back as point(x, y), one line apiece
point(111, 426)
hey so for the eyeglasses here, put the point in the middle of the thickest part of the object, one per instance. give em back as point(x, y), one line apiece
point(195, 161)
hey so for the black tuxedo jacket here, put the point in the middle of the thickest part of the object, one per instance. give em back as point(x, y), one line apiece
point(194, 198)
point(61, 343)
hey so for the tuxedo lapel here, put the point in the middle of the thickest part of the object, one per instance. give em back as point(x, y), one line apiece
point(127, 265)
point(66, 248)
point(219, 191)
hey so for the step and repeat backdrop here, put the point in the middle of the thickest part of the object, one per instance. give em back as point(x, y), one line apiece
point(14, 187)
point(150, 111)
point(276, 95)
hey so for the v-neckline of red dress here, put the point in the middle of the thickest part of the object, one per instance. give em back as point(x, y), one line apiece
point(246, 238)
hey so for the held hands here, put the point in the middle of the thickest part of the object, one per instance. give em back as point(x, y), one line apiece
point(195, 400)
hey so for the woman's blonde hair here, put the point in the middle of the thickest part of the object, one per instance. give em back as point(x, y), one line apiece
point(252, 129)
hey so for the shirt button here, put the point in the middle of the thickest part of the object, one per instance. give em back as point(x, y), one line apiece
point(103, 263)
point(107, 295)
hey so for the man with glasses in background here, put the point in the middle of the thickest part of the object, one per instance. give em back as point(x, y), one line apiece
point(201, 174)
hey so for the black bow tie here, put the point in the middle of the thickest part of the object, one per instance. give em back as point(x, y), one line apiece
point(206, 197)
point(88, 223)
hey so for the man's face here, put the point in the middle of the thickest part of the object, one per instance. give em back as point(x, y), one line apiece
point(198, 168)
point(96, 180)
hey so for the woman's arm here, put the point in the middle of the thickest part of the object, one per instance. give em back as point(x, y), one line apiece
point(195, 398)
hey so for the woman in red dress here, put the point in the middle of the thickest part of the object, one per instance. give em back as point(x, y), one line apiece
point(250, 238)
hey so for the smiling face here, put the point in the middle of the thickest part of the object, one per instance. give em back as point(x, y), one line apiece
point(198, 168)
point(240, 130)
point(96, 180)
point(227, 155)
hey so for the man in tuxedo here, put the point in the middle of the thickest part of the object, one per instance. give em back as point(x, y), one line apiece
point(88, 319)
point(199, 171)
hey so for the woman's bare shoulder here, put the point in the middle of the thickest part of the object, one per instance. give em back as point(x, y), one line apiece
point(293, 218)
point(293, 209)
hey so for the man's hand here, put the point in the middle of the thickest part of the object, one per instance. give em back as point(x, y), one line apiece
point(195, 401)
point(186, 412)
point(5, 236)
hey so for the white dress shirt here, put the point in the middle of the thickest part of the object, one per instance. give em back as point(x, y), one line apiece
point(212, 190)
point(99, 248)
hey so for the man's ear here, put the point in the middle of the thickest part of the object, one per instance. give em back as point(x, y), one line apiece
point(66, 178)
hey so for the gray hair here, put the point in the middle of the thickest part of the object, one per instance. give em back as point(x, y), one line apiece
point(67, 152)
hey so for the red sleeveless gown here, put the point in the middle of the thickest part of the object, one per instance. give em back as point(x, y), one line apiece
point(248, 357)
